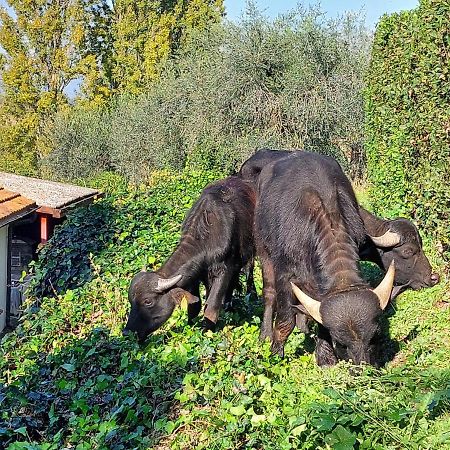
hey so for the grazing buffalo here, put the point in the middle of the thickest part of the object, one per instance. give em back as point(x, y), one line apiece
point(307, 234)
point(387, 240)
point(397, 240)
point(216, 243)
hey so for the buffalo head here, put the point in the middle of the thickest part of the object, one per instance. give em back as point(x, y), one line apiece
point(153, 300)
point(402, 244)
point(351, 318)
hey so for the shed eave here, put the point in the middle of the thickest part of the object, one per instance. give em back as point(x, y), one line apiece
point(58, 213)
point(16, 216)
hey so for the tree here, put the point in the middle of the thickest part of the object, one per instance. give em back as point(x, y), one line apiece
point(146, 32)
point(46, 45)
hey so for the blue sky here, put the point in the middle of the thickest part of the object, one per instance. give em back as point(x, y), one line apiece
point(372, 8)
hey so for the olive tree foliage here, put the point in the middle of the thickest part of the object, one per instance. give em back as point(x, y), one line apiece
point(293, 82)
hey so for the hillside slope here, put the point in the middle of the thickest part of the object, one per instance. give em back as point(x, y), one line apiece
point(68, 379)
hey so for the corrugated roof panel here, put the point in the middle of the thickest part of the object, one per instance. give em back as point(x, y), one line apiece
point(7, 195)
point(46, 193)
point(13, 205)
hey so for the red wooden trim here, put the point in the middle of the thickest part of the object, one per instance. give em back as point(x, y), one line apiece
point(44, 221)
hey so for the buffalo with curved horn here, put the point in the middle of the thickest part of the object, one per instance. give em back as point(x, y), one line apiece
point(307, 232)
point(216, 243)
point(387, 240)
point(397, 240)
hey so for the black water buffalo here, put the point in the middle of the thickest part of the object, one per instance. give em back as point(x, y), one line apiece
point(387, 240)
point(397, 240)
point(307, 233)
point(216, 243)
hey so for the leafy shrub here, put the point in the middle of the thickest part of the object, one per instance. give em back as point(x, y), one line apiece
point(407, 125)
point(80, 140)
point(292, 82)
point(69, 379)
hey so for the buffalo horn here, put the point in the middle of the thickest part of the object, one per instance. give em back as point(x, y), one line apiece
point(311, 305)
point(383, 290)
point(388, 239)
point(167, 283)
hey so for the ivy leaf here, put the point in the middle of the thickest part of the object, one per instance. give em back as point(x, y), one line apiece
point(238, 410)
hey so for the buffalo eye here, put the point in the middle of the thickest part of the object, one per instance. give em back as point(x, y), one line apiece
point(149, 302)
point(407, 253)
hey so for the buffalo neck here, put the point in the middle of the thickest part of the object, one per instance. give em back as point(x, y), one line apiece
point(337, 255)
point(186, 260)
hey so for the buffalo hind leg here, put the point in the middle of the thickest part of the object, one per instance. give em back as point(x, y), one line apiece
point(250, 288)
point(232, 286)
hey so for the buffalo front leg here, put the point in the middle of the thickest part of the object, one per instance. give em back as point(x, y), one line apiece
point(220, 280)
point(324, 353)
point(284, 324)
point(193, 309)
point(285, 317)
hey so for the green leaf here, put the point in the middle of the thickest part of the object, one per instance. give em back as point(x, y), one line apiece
point(238, 410)
point(21, 430)
point(341, 438)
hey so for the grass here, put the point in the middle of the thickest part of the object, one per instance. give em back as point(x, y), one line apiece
point(70, 380)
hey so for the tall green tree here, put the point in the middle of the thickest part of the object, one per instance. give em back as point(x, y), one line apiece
point(45, 46)
point(146, 32)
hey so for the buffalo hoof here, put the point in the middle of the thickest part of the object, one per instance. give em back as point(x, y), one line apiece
point(208, 325)
point(277, 348)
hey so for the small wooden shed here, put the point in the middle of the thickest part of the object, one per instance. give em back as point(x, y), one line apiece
point(13, 207)
point(29, 210)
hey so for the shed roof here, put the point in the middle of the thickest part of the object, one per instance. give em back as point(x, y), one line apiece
point(51, 197)
point(13, 206)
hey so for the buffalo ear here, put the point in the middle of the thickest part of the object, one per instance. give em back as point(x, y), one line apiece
point(301, 308)
point(179, 294)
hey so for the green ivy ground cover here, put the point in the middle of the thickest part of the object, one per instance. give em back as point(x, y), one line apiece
point(68, 379)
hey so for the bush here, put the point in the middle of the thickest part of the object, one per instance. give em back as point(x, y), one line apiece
point(407, 110)
point(292, 82)
point(80, 141)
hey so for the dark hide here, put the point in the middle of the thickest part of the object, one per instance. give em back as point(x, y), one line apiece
point(216, 243)
point(412, 266)
point(413, 269)
point(251, 168)
point(308, 231)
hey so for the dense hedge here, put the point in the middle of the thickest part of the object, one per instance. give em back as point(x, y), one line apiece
point(408, 116)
